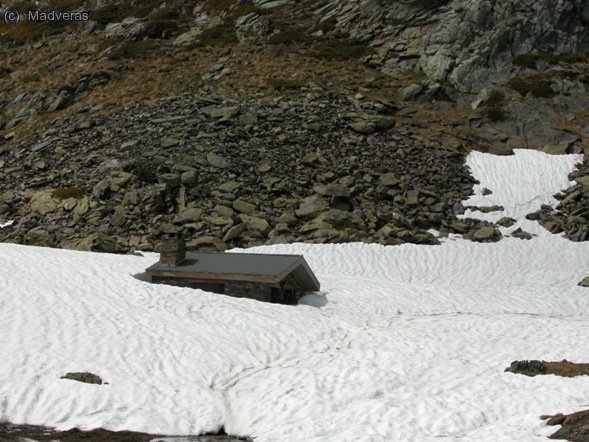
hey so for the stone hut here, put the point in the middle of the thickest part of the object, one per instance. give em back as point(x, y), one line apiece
point(266, 277)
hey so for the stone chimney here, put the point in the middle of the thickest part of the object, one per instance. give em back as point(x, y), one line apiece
point(172, 251)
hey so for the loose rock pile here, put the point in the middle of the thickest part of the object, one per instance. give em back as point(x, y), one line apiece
point(571, 216)
point(321, 168)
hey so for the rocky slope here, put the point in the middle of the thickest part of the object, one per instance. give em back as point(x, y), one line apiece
point(238, 123)
point(318, 168)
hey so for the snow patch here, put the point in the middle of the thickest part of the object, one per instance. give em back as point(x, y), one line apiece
point(521, 183)
point(403, 343)
point(6, 224)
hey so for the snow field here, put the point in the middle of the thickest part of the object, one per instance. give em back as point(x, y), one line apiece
point(404, 343)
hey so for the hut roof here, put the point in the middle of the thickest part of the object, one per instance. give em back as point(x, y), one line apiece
point(259, 267)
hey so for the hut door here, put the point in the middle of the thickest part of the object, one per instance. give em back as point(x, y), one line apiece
point(276, 295)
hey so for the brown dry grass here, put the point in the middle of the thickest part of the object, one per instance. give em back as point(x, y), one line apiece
point(567, 369)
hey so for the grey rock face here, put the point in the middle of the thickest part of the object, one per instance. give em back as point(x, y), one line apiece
point(271, 4)
point(311, 207)
point(252, 27)
point(467, 43)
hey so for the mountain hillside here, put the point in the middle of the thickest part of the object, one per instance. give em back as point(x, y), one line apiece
point(240, 123)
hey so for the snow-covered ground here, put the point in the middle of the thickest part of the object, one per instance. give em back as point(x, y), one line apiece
point(404, 343)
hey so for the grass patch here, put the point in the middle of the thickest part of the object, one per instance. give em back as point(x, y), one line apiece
point(341, 50)
point(64, 5)
point(135, 49)
point(530, 60)
point(493, 107)
point(217, 6)
point(495, 98)
point(413, 74)
point(25, 32)
point(326, 25)
point(219, 35)
point(160, 29)
point(289, 36)
point(537, 85)
point(5, 71)
point(3, 120)
point(422, 4)
point(495, 113)
point(167, 13)
point(245, 9)
point(68, 192)
point(144, 169)
point(56, 5)
point(282, 84)
point(430, 4)
point(22, 6)
point(115, 13)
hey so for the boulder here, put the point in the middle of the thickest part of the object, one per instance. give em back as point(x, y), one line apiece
point(389, 180)
point(272, 4)
point(234, 232)
point(252, 27)
point(189, 178)
point(131, 198)
point(311, 159)
point(486, 233)
point(460, 227)
point(167, 142)
point(501, 149)
point(190, 215)
point(370, 124)
point(207, 243)
point(311, 207)
point(224, 112)
point(229, 186)
point(521, 234)
point(583, 181)
point(99, 242)
point(119, 217)
point(337, 190)
point(82, 206)
point(129, 27)
point(506, 222)
point(170, 179)
point(223, 211)
point(217, 161)
point(412, 198)
point(411, 92)
point(40, 236)
point(243, 206)
point(188, 38)
point(43, 202)
point(333, 218)
point(584, 282)
point(255, 223)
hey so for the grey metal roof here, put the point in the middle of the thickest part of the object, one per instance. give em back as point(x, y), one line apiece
point(243, 265)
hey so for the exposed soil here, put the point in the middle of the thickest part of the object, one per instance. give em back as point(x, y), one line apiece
point(17, 433)
point(575, 426)
point(563, 368)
